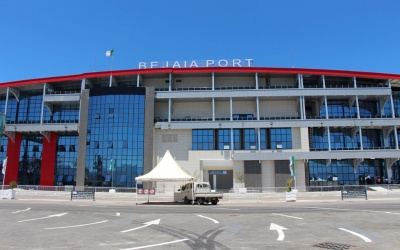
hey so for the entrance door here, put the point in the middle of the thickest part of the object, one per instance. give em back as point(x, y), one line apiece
point(223, 179)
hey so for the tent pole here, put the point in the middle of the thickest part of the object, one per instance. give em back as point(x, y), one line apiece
point(193, 194)
point(148, 194)
point(136, 192)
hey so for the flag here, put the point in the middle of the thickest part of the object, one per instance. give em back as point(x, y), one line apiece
point(112, 165)
point(292, 166)
point(4, 165)
point(109, 52)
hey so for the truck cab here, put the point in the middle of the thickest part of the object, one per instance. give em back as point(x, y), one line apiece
point(201, 194)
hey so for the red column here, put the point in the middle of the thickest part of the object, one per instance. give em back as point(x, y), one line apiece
point(13, 151)
point(48, 167)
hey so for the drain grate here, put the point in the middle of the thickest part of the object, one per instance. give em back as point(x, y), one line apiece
point(332, 245)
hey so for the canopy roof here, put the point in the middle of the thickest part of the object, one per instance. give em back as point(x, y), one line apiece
point(167, 170)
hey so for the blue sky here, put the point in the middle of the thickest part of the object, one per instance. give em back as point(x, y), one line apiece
point(45, 38)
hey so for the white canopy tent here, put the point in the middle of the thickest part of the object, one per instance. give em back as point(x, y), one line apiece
point(167, 170)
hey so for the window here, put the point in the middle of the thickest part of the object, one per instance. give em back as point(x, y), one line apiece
point(224, 139)
point(242, 116)
point(250, 139)
point(170, 138)
point(281, 136)
point(119, 137)
point(319, 139)
point(203, 139)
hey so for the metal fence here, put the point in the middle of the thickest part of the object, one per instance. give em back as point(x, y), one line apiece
point(68, 188)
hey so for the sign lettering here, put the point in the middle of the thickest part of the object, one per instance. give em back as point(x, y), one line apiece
point(197, 63)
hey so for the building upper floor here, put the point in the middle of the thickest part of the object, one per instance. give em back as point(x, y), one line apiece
point(218, 94)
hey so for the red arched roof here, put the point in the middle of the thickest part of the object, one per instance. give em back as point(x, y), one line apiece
point(267, 70)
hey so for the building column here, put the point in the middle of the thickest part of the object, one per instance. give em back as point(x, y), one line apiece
point(13, 152)
point(83, 126)
point(47, 169)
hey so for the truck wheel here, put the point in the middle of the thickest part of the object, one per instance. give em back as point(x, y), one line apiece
point(186, 200)
point(214, 202)
point(200, 201)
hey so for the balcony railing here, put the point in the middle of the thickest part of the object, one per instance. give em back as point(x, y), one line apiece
point(202, 119)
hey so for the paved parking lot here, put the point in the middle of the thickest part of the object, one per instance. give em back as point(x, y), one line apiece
point(46, 220)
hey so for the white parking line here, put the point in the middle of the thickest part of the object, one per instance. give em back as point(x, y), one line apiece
point(155, 245)
point(356, 234)
point(146, 224)
point(233, 209)
point(82, 225)
point(347, 209)
point(215, 221)
point(284, 215)
point(116, 244)
point(22, 210)
point(47, 217)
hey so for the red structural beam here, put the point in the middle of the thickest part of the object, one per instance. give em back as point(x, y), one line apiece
point(204, 70)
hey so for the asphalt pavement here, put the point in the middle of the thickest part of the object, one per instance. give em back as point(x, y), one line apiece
point(51, 220)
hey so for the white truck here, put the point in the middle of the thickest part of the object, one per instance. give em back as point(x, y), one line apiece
point(201, 194)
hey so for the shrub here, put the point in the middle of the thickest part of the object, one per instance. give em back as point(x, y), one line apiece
point(13, 184)
point(289, 185)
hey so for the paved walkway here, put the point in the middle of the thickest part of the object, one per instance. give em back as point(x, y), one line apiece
point(248, 198)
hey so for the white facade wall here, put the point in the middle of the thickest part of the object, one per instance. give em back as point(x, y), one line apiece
point(304, 139)
point(244, 107)
point(282, 81)
point(192, 109)
point(238, 174)
point(234, 81)
point(268, 174)
point(161, 109)
point(155, 82)
point(178, 150)
point(300, 174)
point(192, 82)
point(222, 108)
point(278, 108)
point(296, 139)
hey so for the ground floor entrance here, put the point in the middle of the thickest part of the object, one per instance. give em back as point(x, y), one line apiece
point(221, 180)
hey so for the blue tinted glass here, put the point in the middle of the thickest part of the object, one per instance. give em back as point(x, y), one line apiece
point(119, 129)
point(203, 139)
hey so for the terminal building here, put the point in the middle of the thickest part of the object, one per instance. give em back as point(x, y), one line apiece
point(232, 125)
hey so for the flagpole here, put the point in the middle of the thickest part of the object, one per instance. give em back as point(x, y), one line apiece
point(112, 60)
point(4, 179)
point(4, 175)
point(295, 174)
point(112, 177)
point(112, 172)
point(111, 52)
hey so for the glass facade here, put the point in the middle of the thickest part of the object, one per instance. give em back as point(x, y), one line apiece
point(66, 113)
point(224, 139)
point(67, 157)
point(27, 110)
point(203, 139)
point(116, 122)
point(341, 172)
point(115, 136)
point(341, 139)
point(372, 138)
point(3, 154)
point(368, 109)
point(339, 109)
point(243, 139)
point(30, 159)
point(282, 137)
point(396, 103)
